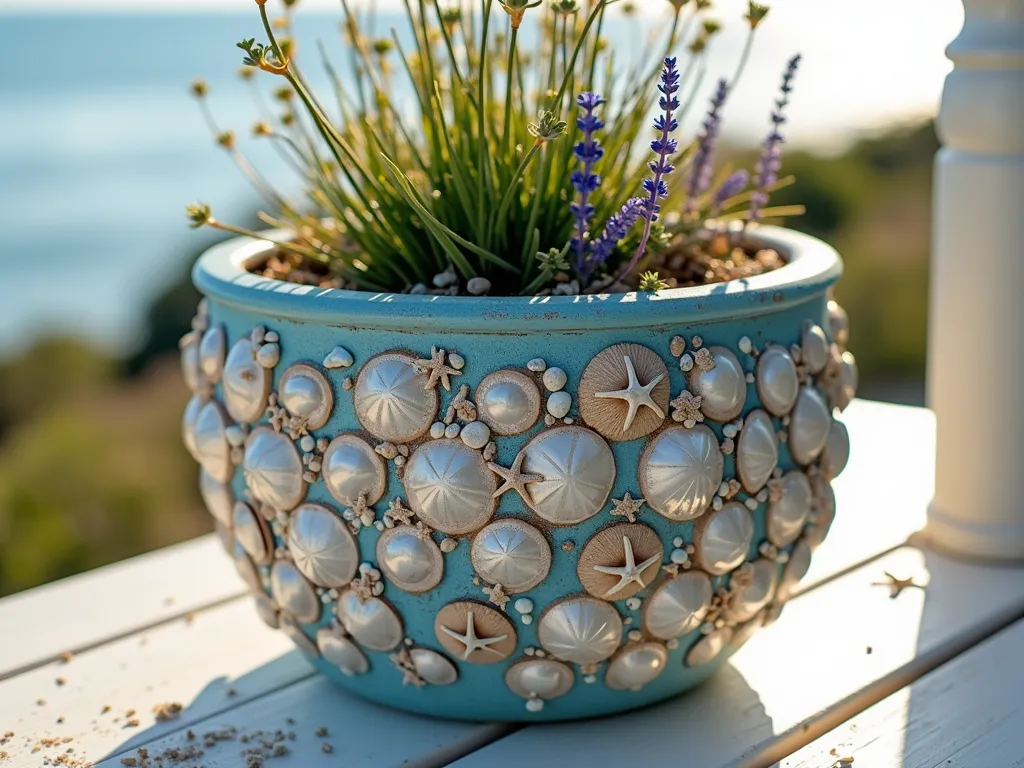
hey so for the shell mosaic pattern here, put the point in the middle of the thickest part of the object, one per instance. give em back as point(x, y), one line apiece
point(432, 521)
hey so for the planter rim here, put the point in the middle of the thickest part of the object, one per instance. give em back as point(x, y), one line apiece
point(812, 266)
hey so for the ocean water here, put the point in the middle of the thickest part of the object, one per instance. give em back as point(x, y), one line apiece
point(101, 145)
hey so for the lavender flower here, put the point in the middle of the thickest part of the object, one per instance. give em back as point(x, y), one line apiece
point(767, 168)
point(616, 228)
point(700, 167)
point(731, 187)
point(663, 147)
point(585, 181)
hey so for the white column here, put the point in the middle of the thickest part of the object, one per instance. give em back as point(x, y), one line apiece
point(976, 325)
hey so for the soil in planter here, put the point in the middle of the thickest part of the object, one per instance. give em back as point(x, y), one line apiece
point(700, 263)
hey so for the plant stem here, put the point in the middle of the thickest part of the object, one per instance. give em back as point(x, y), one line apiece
point(510, 140)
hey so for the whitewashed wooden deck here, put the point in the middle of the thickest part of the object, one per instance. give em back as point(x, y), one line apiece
point(929, 678)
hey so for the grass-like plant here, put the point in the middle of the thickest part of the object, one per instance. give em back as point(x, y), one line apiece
point(506, 173)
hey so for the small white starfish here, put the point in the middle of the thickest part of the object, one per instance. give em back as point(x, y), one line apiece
point(634, 394)
point(630, 572)
point(514, 478)
point(471, 641)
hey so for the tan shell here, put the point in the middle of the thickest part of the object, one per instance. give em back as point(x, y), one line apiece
point(607, 373)
point(607, 548)
point(487, 623)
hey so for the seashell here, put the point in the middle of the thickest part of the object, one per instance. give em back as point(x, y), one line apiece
point(245, 383)
point(578, 470)
point(273, 469)
point(212, 349)
point(847, 381)
point(511, 553)
point(824, 515)
point(624, 392)
point(786, 517)
point(433, 667)
point(838, 324)
point(678, 605)
point(475, 633)
point(449, 486)
point(797, 566)
point(680, 471)
point(245, 568)
point(777, 381)
point(757, 452)
point(554, 379)
point(809, 426)
point(293, 593)
point(722, 538)
point(217, 497)
point(188, 423)
point(708, 647)
point(758, 593)
point(456, 361)
point(371, 622)
point(539, 679)
point(339, 357)
point(476, 435)
point(559, 404)
point(305, 393)
point(269, 355)
point(351, 468)
point(191, 370)
point(636, 666)
point(225, 536)
point(341, 651)
point(212, 449)
point(537, 365)
point(814, 348)
point(620, 560)
point(321, 546)
point(410, 562)
point(253, 534)
point(391, 398)
point(267, 611)
point(297, 636)
point(748, 629)
point(723, 388)
point(508, 402)
point(836, 453)
point(580, 630)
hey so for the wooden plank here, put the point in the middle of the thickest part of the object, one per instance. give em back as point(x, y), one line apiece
point(81, 612)
point(966, 713)
point(836, 651)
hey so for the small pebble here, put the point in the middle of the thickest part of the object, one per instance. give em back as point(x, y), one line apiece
point(338, 358)
point(555, 379)
point(745, 345)
point(751, 504)
point(635, 635)
point(399, 461)
point(452, 431)
point(590, 679)
point(235, 435)
point(568, 546)
point(307, 443)
point(418, 289)
point(444, 279)
point(749, 378)
point(458, 362)
point(476, 434)
point(537, 365)
point(271, 337)
point(529, 650)
point(762, 495)
point(535, 705)
point(729, 430)
point(526, 618)
point(448, 545)
point(716, 503)
point(549, 420)
point(672, 644)
point(437, 430)
point(686, 363)
point(269, 355)
point(723, 489)
point(559, 404)
point(347, 384)
point(679, 556)
point(478, 286)
point(490, 451)
point(728, 446)
point(633, 603)
point(697, 342)
point(678, 346)
point(524, 605)
point(677, 541)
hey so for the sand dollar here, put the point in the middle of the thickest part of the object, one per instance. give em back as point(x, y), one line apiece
point(293, 593)
point(777, 381)
point(680, 471)
point(339, 650)
point(809, 426)
point(539, 679)
point(253, 534)
point(758, 593)
point(351, 468)
point(580, 630)
point(245, 382)
point(432, 667)
point(273, 469)
point(508, 402)
point(678, 605)
point(371, 622)
point(409, 560)
point(306, 394)
point(322, 547)
point(450, 487)
point(209, 435)
point(722, 538)
point(475, 633)
point(708, 647)
point(836, 453)
point(635, 666)
point(217, 497)
point(788, 513)
point(722, 387)
point(578, 471)
point(511, 553)
point(757, 452)
point(391, 398)
point(624, 392)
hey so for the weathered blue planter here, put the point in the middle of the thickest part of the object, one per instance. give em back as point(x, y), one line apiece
point(345, 433)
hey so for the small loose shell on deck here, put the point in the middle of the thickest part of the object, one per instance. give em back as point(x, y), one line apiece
point(609, 372)
point(723, 388)
point(809, 426)
point(371, 622)
point(581, 630)
point(321, 546)
point(758, 593)
point(253, 534)
point(212, 449)
point(722, 538)
point(432, 667)
point(678, 605)
point(787, 516)
point(539, 679)
point(351, 468)
point(305, 392)
point(475, 632)
point(607, 548)
point(680, 470)
point(578, 471)
point(635, 666)
point(273, 469)
point(409, 561)
point(777, 382)
point(391, 399)
point(512, 553)
point(293, 593)
point(218, 498)
point(341, 651)
point(708, 647)
point(450, 487)
point(212, 351)
point(508, 402)
point(757, 452)
point(246, 383)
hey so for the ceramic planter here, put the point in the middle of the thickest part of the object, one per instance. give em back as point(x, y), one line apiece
point(515, 508)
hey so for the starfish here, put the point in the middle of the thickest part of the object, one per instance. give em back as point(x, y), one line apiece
point(497, 595)
point(634, 394)
point(897, 585)
point(400, 513)
point(438, 369)
point(629, 573)
point(514, 478)
point(410, 675)
point(471, 641)
point(687, 408)
point(627, 507)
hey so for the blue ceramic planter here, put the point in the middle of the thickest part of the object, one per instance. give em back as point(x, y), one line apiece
point(644, 476)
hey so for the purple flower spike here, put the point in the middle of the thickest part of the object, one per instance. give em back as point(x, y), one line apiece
point(584, 180)
point(700, 168)
point(767, 169)
point(615, 230)
point(731, 187)
point(663, 147)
